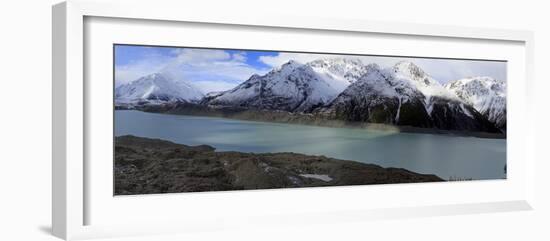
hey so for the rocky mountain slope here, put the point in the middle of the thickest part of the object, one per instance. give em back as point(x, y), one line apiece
point(378, 97)
point(405, 95)
point(485, 94)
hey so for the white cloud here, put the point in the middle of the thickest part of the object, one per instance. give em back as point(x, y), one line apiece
point(207, 86)
point(240, 56)
point(125, 74)
point(201, 67)
point(192, 56)
point(152, 63)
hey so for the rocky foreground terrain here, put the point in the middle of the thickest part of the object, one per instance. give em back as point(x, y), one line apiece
point(146, 166)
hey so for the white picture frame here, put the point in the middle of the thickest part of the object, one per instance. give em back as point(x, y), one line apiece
point(71, 189)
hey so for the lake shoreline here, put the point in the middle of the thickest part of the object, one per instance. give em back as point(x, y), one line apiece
point(147, 166)
point(443, 155)
point(293, 118)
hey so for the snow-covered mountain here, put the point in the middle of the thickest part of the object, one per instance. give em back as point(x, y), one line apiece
point(293, 87)
point(404, 95)
point(156, 88)
point(379, 97)
point(409, 72)
point(446, 109)
point(339, 72)
point(346, 89)
point(485, 94)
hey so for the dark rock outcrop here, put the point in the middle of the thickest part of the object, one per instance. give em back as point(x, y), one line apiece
point(146, 166)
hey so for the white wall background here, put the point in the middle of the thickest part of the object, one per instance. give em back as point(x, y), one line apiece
point(25, 122)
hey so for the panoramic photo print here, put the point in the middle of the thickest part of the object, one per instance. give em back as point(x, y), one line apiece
point(198, 119)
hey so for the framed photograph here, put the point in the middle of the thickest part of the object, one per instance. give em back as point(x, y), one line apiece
point(204, 122)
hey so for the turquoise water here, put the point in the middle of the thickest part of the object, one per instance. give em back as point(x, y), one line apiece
point(442, 155)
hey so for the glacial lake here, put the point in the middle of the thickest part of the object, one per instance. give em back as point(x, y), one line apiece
point(443, 155)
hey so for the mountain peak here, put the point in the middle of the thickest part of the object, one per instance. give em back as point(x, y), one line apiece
point(291, 63)
point(409, 68)
point(288, 66)
point(254, 76)
point(339, 60)
point(479, 82)
point(339, 72)
point(156, 75)
point(336, 61)
point(481, 79)
point(150, 77)
point(156, 88)
point(373, 67)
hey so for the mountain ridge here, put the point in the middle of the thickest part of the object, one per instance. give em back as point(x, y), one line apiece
point(401, 95)
point(486, 94)
point(293, 87)
point(346, 89)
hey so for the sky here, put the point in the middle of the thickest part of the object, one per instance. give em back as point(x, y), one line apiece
point(218, 70)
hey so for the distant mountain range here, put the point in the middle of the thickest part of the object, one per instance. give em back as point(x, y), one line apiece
point(293, 87)
point(348, 90)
